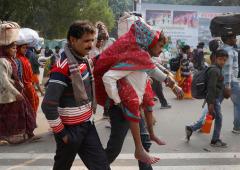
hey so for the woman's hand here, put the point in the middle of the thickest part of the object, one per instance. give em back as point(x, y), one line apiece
point(19, 97)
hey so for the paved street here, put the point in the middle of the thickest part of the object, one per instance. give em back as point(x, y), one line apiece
point(176, 155)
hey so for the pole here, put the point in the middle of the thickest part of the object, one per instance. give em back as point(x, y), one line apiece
point(134, 5)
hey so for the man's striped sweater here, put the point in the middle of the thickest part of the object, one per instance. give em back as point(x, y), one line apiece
point(59, 105)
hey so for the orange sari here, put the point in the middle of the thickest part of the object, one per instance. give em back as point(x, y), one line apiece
point(28, 84)
point(185, 83)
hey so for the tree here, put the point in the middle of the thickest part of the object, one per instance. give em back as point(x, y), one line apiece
point(98, 10)
point(53, 17)
point(196, 2)
point(118, 7)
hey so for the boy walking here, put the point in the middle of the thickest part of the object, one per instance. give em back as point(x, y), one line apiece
point(214, 97)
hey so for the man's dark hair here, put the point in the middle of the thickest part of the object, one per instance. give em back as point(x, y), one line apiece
point(224, 39)
point(57, 47)
point(185, 48)
point(221, 53)
point(213, 45)
point(200, 45)
point(227, 37)
point(78, 28)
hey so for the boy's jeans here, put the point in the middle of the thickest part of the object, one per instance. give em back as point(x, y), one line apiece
point(218, 119)
point(201, 121)
point(235, 86)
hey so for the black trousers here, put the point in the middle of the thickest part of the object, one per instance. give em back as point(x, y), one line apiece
point(84, 141)
point(158, 89)
point(119, 129)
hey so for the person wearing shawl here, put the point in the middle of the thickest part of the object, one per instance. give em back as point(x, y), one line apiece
point(27, 77)
point(101, 43)
point(122, 84)
point(184, 75)
point(69, 103)
point(17, 122)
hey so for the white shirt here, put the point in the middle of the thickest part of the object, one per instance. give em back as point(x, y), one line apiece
point(137, 79)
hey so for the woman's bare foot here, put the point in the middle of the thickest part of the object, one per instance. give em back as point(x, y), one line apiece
point(157, 140)
point(144, 157)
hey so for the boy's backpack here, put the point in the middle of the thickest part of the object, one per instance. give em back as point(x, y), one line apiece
point(174, 64)
point(199, 84)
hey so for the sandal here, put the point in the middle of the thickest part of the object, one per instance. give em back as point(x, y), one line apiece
point(3, 142)
point(15, 139)
point(33, 139)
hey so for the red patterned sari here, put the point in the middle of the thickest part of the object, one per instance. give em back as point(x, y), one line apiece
point(128, 53)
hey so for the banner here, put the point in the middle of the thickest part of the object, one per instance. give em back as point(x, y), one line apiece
point(183, 22)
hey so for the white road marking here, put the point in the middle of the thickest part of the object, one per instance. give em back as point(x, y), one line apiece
point(209, 167)
point(213, 155)
point(24, 164)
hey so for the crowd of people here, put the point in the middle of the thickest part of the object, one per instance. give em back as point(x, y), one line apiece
point(222, 81)
point(19, 99)
point(125, 76)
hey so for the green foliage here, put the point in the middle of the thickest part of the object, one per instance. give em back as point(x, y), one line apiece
point(46, 68)
point(196, 2)
point(98, 10)
point(118, 7)
point(53, 17)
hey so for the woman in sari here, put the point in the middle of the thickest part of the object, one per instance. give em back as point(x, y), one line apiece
point(27, 76)
point(16, 117)
point(184, 75)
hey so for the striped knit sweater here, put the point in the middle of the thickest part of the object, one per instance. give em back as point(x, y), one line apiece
point(59, 105)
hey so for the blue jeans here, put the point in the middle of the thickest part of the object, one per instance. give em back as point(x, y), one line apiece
point(235, 86)
point(218, 119)
point(196, 126)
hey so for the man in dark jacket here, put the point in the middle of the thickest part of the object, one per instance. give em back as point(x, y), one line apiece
point(32, 56)
point(69, 103)
point(198, 57)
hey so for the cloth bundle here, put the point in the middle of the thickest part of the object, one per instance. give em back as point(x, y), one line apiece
point(9, 32)
point(125, 23)
point(30, 37)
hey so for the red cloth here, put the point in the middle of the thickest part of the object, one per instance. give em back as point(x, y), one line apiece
point(127, 53)
point(131, 102)
point(29, 90)
point(35, 78)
